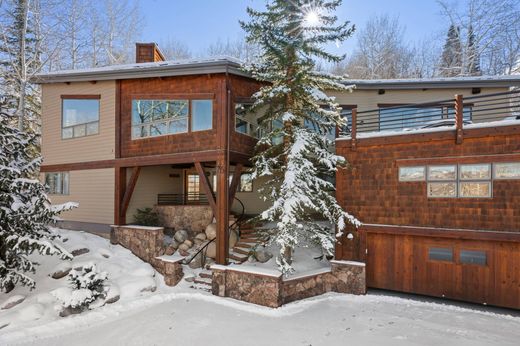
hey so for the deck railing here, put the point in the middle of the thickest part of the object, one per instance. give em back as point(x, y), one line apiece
point(457, 113)
point(182, 199)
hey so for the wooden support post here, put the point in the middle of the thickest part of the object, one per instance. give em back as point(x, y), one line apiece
point(459, 118)
point(222, 212)
point(235, 182)
point(120, 187)
point(353, 130)
point(129, 190)
point(206, 187)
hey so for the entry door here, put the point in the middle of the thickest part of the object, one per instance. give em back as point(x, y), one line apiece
point(192, 188)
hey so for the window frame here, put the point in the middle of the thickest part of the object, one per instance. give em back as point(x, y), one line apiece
point(62, 174)
point(179, 97)
point(494, 172)
point(65, 97)
point(424, 169)
point(461, 181)
point(255, 128)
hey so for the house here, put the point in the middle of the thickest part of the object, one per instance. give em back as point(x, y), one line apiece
point(178, 136)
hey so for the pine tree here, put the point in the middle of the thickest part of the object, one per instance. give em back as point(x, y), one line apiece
point(25, 211)
point(473, 56)
point(293, 153)
point(451, 59)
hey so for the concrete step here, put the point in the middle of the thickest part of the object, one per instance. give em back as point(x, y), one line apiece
point(243, 251)
point(206, 274)
point(238, 257)
point(202, 281)
point(246, 244)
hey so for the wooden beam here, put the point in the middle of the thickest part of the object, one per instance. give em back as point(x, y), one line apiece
point(459, 118)
point(119, 192)
point(168, 159)
point(222, 212)
point(206, 187)
point(235, 182)
point(353, 130)
point(129, 191)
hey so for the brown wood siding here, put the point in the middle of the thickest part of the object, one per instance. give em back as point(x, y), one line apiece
point(370, 189)
point(205, 86)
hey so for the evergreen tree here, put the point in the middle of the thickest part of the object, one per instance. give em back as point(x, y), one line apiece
point(25, 211)
point(293, 153)
point(451, 59)
point(473, 58)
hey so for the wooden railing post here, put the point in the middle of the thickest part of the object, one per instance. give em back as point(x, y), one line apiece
point(353, 130)
point(459, 118)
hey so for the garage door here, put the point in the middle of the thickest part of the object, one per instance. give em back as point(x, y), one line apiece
point(470, 270)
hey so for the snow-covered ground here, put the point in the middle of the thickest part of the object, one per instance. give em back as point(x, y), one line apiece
point(183, 316)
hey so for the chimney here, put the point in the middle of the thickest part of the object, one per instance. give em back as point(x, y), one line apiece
point(148, 52)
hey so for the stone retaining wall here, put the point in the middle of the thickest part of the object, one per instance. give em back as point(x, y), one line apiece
point(193, 218)
point(147, 244)
point(269, 288)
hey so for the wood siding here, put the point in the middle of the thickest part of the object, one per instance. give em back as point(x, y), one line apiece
point(370, 188)
point(56, 150)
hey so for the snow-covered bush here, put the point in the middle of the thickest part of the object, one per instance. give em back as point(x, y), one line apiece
point(25, 211)
point(87, 283)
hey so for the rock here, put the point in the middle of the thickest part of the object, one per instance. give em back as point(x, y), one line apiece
point(181, 236)
point(188, 242)
point(211, 231)
point(211, 250)
point(262, 255)
point(61, 270)
point(70, 311)
point(167, 240)
point(175, 244)
point(209, 262)
point(184, 247)
point(233, 239)
point(112, 299)
point(189, 279)
point(251, 259)
point(184, 253)
point(3, 325)
point(169, 250)
point(12, 301)
point(148, 289)
point(198, 241)
point(201, 236)
point(79, 252)
point(64, 240)
point(196, 262)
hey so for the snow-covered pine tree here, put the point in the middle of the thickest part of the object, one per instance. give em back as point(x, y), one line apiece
point(473, 56)
point(451, 59)
point(293, 153)
point(25, 211)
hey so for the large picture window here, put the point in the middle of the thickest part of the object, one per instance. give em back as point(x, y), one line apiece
point(244, 120)
point(80, 117)
point(57, 183)
point(151, 118)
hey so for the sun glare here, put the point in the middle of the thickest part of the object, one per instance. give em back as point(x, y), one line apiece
point(312, 18)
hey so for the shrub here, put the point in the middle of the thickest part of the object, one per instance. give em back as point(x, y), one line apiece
point(88, 284)
point(146, 217)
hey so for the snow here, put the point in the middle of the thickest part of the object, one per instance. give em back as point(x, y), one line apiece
point(184, 316)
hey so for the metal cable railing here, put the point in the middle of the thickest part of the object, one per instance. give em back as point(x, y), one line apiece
point(182, 199)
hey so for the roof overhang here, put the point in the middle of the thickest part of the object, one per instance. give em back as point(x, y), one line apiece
point(437, 83)
point(146, 70)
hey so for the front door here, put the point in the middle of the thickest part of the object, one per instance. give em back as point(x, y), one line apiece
point(191, 188)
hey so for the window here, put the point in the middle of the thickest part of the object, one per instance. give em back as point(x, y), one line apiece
point(475, 180)
point(244, 119)
point(246, 183)
point(507, 170)
point(202, 115)
point(412, 173)
point(473, 257)
point(440, 254)
point(57, 183)
point(159, 117)
point(80, 117)
point(193, 187)
point(442, 181)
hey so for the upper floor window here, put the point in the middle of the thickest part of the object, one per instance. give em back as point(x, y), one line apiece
point(152, 118)
point(80, 117)
point(244, 120)
point(57, 183)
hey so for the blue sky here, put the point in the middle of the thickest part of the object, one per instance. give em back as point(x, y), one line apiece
point(199, 23)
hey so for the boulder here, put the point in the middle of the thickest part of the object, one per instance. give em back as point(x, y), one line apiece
point(180, 236)
point(61, 270)
point(169, 250)
point(233, 239)
point(211, 231)
point(188, 242)
point(70, 311)
point(79, 252)
point(201, 236)
point(12, 301)
point(262, 255)
point(196, 262)
point(175, 244)
point(198, 241)
point(184, 253)
point(211, 250)
point(184, 247)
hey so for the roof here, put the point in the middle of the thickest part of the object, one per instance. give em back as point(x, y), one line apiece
point(223, 64)
point(146, 70)
point(433, 83)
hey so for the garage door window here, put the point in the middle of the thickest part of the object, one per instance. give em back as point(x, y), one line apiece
point(440, 254)
point(473, 257)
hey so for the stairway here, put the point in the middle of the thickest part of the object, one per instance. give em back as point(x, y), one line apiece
point(249, 238)
point(203, 281)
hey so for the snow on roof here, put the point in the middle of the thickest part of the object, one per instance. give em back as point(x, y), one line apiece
point(218, 64)
point(413, 83)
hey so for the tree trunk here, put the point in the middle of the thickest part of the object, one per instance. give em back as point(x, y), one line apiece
point(22, 68)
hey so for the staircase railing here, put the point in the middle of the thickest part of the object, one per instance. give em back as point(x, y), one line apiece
point(204, 248)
